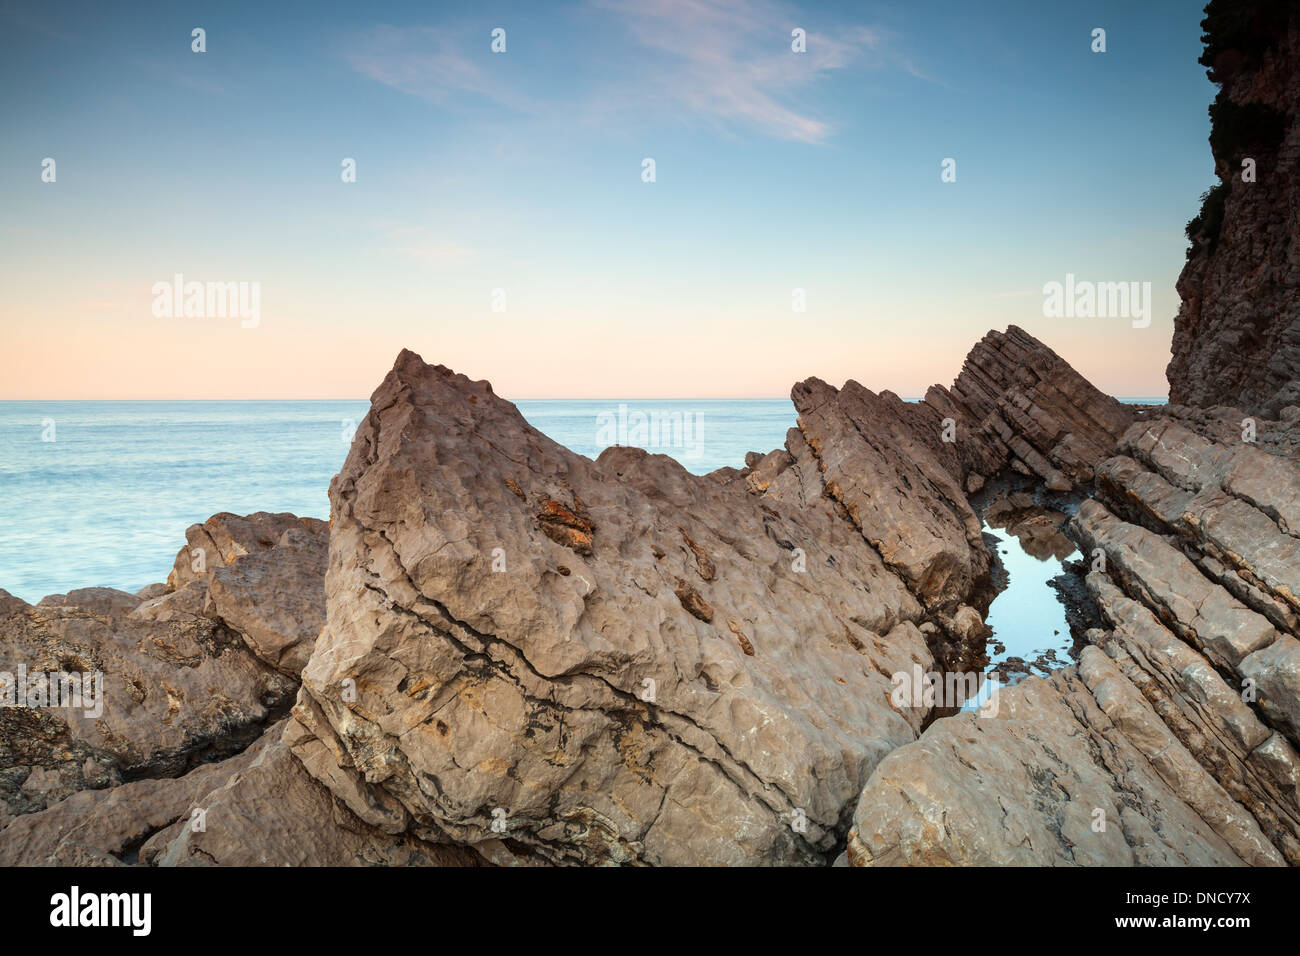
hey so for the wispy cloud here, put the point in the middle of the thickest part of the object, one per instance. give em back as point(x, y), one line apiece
point(431, 64)
point(727, 60)
point(732, 59)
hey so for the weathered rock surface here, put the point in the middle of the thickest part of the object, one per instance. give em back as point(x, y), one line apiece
point(1237, 334)
point(262, 574)
point(173, 694)
point(1178, 729)
point(268, 811)
point(257, 808)
point(659, 669)
point(191, 672)
point(107, 827)
point(895, 487)
point(528, 658)
point(1031, 785)
point(1034, 410)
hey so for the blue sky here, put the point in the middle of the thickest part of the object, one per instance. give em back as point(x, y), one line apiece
point(522, 171)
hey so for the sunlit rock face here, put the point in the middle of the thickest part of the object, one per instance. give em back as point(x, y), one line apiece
point(609, 661)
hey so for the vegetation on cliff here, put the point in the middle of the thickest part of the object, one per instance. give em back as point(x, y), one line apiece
point(1236, 36)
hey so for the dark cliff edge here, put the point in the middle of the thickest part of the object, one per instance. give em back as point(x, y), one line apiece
point(1237, 334)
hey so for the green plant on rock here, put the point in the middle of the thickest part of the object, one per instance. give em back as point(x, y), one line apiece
point(1207, 223)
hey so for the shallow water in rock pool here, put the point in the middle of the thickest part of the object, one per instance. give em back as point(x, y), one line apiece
point(1028, 618)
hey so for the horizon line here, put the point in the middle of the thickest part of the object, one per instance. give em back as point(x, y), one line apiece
point(686, 398)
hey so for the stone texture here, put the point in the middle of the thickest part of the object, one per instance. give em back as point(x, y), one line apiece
point(270, 812)
point(893, 484)
point(107, 827)
point(577, 696)
point(174, 694)
point(263, 575)
point(1237, 334)
point(1034, 409)
point(1025, 787)
point(510, 654)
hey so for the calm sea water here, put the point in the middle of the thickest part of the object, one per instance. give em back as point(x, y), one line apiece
point(100, 493)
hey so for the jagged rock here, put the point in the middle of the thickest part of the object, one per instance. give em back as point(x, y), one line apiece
point(263, 575)
point(766, 470)
point(173, 694)
point(1237, 334)
point(1256, 765)
point(268, 811)
point(1032, 407)
point(893, 484)
point(107, 827)
point(1032, 786)
point(276, 598)
point(900, 470)
point(532, 658)
point(569, 697)
point(1180, 725)
point(1235, 510)
point(1198, 609)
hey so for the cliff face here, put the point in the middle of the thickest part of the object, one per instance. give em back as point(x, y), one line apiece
point(1237, 335)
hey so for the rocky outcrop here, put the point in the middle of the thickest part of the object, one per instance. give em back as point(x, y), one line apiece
point(895, 483)
point(1076, 769)
point(156, 699)
point(181, 764)
point(1237, 334)
point(564, 656)
point(268, 811)
point(1173, 739)
point(1034, 412)
point(609, 661)
point(171, 678)
point(263, 575)
point(501, 652)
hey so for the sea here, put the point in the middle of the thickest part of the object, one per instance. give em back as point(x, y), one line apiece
point(100, 493)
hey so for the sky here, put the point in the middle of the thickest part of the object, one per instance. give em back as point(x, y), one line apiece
point(500, 221)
